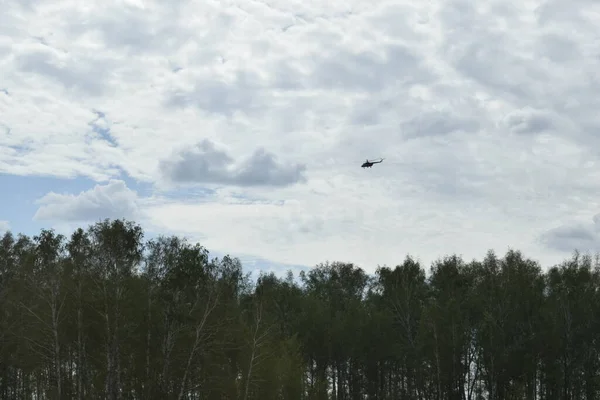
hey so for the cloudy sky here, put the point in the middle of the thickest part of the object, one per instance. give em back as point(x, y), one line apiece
point(243, 124)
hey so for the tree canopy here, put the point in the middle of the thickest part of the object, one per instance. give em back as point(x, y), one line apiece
point(106, 314)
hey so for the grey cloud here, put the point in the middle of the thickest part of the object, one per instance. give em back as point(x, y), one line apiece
point(133, 29)
point(528, 121)
point(576, 236)
point(437, 123)
point(113, 200)
point(459, 13)
point(343, 70)
point(488, 59)
point(221, 97)
point(367, 72)
point(284, 77)
point(558, 48)
point(81, 75)
point(10, 22)
point(366, 116)
point(371, 111)
point(490, 64)
point(207, 164)
point(396, 20)
point(454, 185)
point(262, 169)
point(559, 13)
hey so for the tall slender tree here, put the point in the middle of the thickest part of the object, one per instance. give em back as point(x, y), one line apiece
point(105, 314)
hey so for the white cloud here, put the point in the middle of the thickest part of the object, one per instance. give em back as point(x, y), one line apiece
point(4, 226)
point(486, 113)
point(113, 200)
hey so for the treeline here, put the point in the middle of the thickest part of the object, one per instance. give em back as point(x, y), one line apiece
point(104, 314)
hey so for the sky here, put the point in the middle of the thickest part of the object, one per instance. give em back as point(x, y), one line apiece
point(243, 125)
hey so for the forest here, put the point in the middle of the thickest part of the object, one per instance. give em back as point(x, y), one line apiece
point(108, 314)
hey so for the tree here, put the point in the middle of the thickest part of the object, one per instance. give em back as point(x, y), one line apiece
point(106, 314)
point(117, 253)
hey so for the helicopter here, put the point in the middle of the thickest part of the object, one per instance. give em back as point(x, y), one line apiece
point(369, 164)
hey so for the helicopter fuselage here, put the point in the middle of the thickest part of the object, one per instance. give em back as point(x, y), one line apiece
point(369, 164)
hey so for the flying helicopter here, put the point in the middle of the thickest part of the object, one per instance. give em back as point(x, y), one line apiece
point(369, 164)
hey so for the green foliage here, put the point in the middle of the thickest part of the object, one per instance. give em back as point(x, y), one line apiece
point(105, 314)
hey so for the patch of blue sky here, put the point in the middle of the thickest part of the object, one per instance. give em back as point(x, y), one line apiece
point(256, 265)
point(98, 126)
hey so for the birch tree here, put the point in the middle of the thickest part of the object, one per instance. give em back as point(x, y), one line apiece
point(117, 252)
